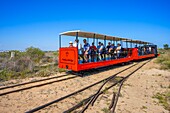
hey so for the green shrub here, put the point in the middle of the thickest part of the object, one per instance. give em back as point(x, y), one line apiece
point(24, 63)
point(61, 70)
point(164, 99)
point(164, 59)
point(43, 73)
point(56, 53)
point(105, 110)
point(35, 53)
point(166, 46)
point(27, 64)
point(4, 54)
point(6, 75)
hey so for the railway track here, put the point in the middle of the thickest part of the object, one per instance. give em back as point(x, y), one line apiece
point(84, 104)
point(91, 99)
point(59, 79)
point(2, 92)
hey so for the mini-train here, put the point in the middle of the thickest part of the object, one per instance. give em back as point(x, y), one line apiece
point(72, 58)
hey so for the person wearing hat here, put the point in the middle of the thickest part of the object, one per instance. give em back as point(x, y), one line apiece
point(71, 44)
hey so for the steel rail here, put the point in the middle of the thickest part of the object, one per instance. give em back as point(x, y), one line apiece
point(121, 84)
point(62, 98)
point(93, 97)
point(21, 89)
point(76, 92)
point(11, 86)
point(115, 97)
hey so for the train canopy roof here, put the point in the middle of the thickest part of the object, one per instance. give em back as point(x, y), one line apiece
point(100, 36)
point(138, 41)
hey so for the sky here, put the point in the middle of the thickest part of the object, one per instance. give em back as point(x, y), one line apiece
point(37, 23)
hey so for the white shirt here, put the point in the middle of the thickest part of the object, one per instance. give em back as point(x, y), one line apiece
point(150, 49)
point(119, 47)
point(79, 45)
point(101, 48)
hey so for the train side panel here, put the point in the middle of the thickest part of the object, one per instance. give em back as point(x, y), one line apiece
point(68, 58)
point(92, 65)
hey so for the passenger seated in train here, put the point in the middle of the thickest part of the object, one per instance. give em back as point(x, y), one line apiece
point(101, 51)
point(150, 50)
point(139, 50)
point(80, 49)
point(118, 50)
point(112, 50)
point(70, 44)
point(153, 50)
point(108, 47)
point(77, 44)
point(143, 49)
point(98, 47)
point(147, 50)
point(93, 50)
point(86, 50)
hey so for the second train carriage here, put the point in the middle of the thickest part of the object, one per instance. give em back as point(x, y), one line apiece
point(69, 57)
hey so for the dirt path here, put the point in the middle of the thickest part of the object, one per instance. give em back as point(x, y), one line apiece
point(136, 94)
point(28, 99)
point(138, 91)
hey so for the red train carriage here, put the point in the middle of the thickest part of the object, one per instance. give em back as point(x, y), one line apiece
point(70, 58)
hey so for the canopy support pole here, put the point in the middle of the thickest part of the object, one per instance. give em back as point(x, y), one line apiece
point(121, 43)
point(126, 44)
point(105, 47)
point(105, 41)
point(94, 38)
point(59, 41)
point(76, 35)
point(127, 47)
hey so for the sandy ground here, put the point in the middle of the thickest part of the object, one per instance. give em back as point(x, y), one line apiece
point(136, 94)
point(138, 91)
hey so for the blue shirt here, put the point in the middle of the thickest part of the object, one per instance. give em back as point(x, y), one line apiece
point(113, 47)
point(98, 47)
point(86, 46)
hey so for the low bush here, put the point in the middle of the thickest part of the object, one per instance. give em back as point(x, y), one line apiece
point(21, 64)
point(164, 59)
point(6, 75)
point(164, 99)
point(35, 54)
point(60, 70)
point(56, 53)
point(32, 62)
point(43, 73)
